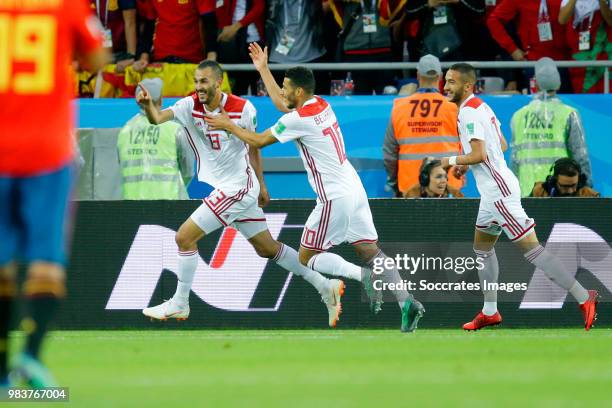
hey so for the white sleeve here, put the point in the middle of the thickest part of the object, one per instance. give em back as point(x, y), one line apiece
point(182, 110)
point(287, 128)
point(249, 117)
point(471, 125)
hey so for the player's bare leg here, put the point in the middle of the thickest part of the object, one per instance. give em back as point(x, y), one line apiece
point(43, 288)
point(286, 257)
point(8, 293)
point(556, 272)
point(484, 247)
point(187, 238)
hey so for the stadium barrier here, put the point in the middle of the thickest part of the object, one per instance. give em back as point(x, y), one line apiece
point(363, 120)
point(377, 66)
point(124, 259)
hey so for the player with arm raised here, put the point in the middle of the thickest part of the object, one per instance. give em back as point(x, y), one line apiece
point(500, 203)
point(234, 169)
point(342, 213)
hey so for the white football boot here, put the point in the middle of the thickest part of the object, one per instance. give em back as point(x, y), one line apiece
point(331, 298)
point(170, 309)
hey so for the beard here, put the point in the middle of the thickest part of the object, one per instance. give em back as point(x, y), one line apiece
point(209, 95)
point(457, 95)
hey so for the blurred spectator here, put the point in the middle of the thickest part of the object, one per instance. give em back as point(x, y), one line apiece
point(566, 180)
point(589, 35)
point(540, 33)
point(118, 19)
point(365, 37)
point(422, 125)
point(145, 29)
point(240, 22)
point(448, 28)
point(183, 30)
point(433, 182)
point(156, 160)
point(294, 34)
point(545, 130)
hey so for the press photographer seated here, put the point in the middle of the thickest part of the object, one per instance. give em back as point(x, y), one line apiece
point(433, 182)
point(566, 180)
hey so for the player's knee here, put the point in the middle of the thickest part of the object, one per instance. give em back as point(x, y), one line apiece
point(37, 287)
point(266, 251)
point(8, 287)
point(45, 279)
point(184, 241)
point(304, 257)
point(367, 251)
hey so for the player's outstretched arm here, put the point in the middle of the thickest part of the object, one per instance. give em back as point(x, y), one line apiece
point(477, 155)
point(222, 121)
point(154, 114)
point(260, 61)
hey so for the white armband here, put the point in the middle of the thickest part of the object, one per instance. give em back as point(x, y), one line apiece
point(452, 161)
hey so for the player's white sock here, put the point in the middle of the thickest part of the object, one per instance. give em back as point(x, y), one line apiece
point(187, 265)
point(287, 258)
point(490, 274)
point(579, 292)
point(332, 264)
point(555, 271)
point(390, 275)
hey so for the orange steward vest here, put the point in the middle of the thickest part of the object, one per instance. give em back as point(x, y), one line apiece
point(425, 125)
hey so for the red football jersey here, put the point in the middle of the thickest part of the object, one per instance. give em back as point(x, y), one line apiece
point(177, 32)
point(37, 43)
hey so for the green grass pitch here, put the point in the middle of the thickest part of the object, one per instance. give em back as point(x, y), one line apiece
point(332, 368)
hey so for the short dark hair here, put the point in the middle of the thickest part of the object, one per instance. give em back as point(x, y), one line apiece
point(566, 167)
point(467, 71)
point(214, 65)
point(301, 77)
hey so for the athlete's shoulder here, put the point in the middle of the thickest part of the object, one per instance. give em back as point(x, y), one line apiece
point(188, 104)
point(314, 108)
point(473, 109)
point(473, 103)
point(234, 103)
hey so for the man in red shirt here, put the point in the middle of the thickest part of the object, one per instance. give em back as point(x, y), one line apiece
point(177, 32)
point(36, 151)
point(537, 25)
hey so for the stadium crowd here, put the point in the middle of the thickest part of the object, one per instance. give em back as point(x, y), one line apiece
point(149, 37)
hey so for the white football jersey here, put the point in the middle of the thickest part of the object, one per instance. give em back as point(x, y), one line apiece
point(493, 177)
point(317, 135)
point(222, 158)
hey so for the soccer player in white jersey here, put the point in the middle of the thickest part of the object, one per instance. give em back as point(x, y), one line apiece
point(500, 202)
point(342, 213)
point(228, 164)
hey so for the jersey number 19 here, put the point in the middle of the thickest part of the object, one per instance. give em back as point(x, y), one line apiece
point(27, 39)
